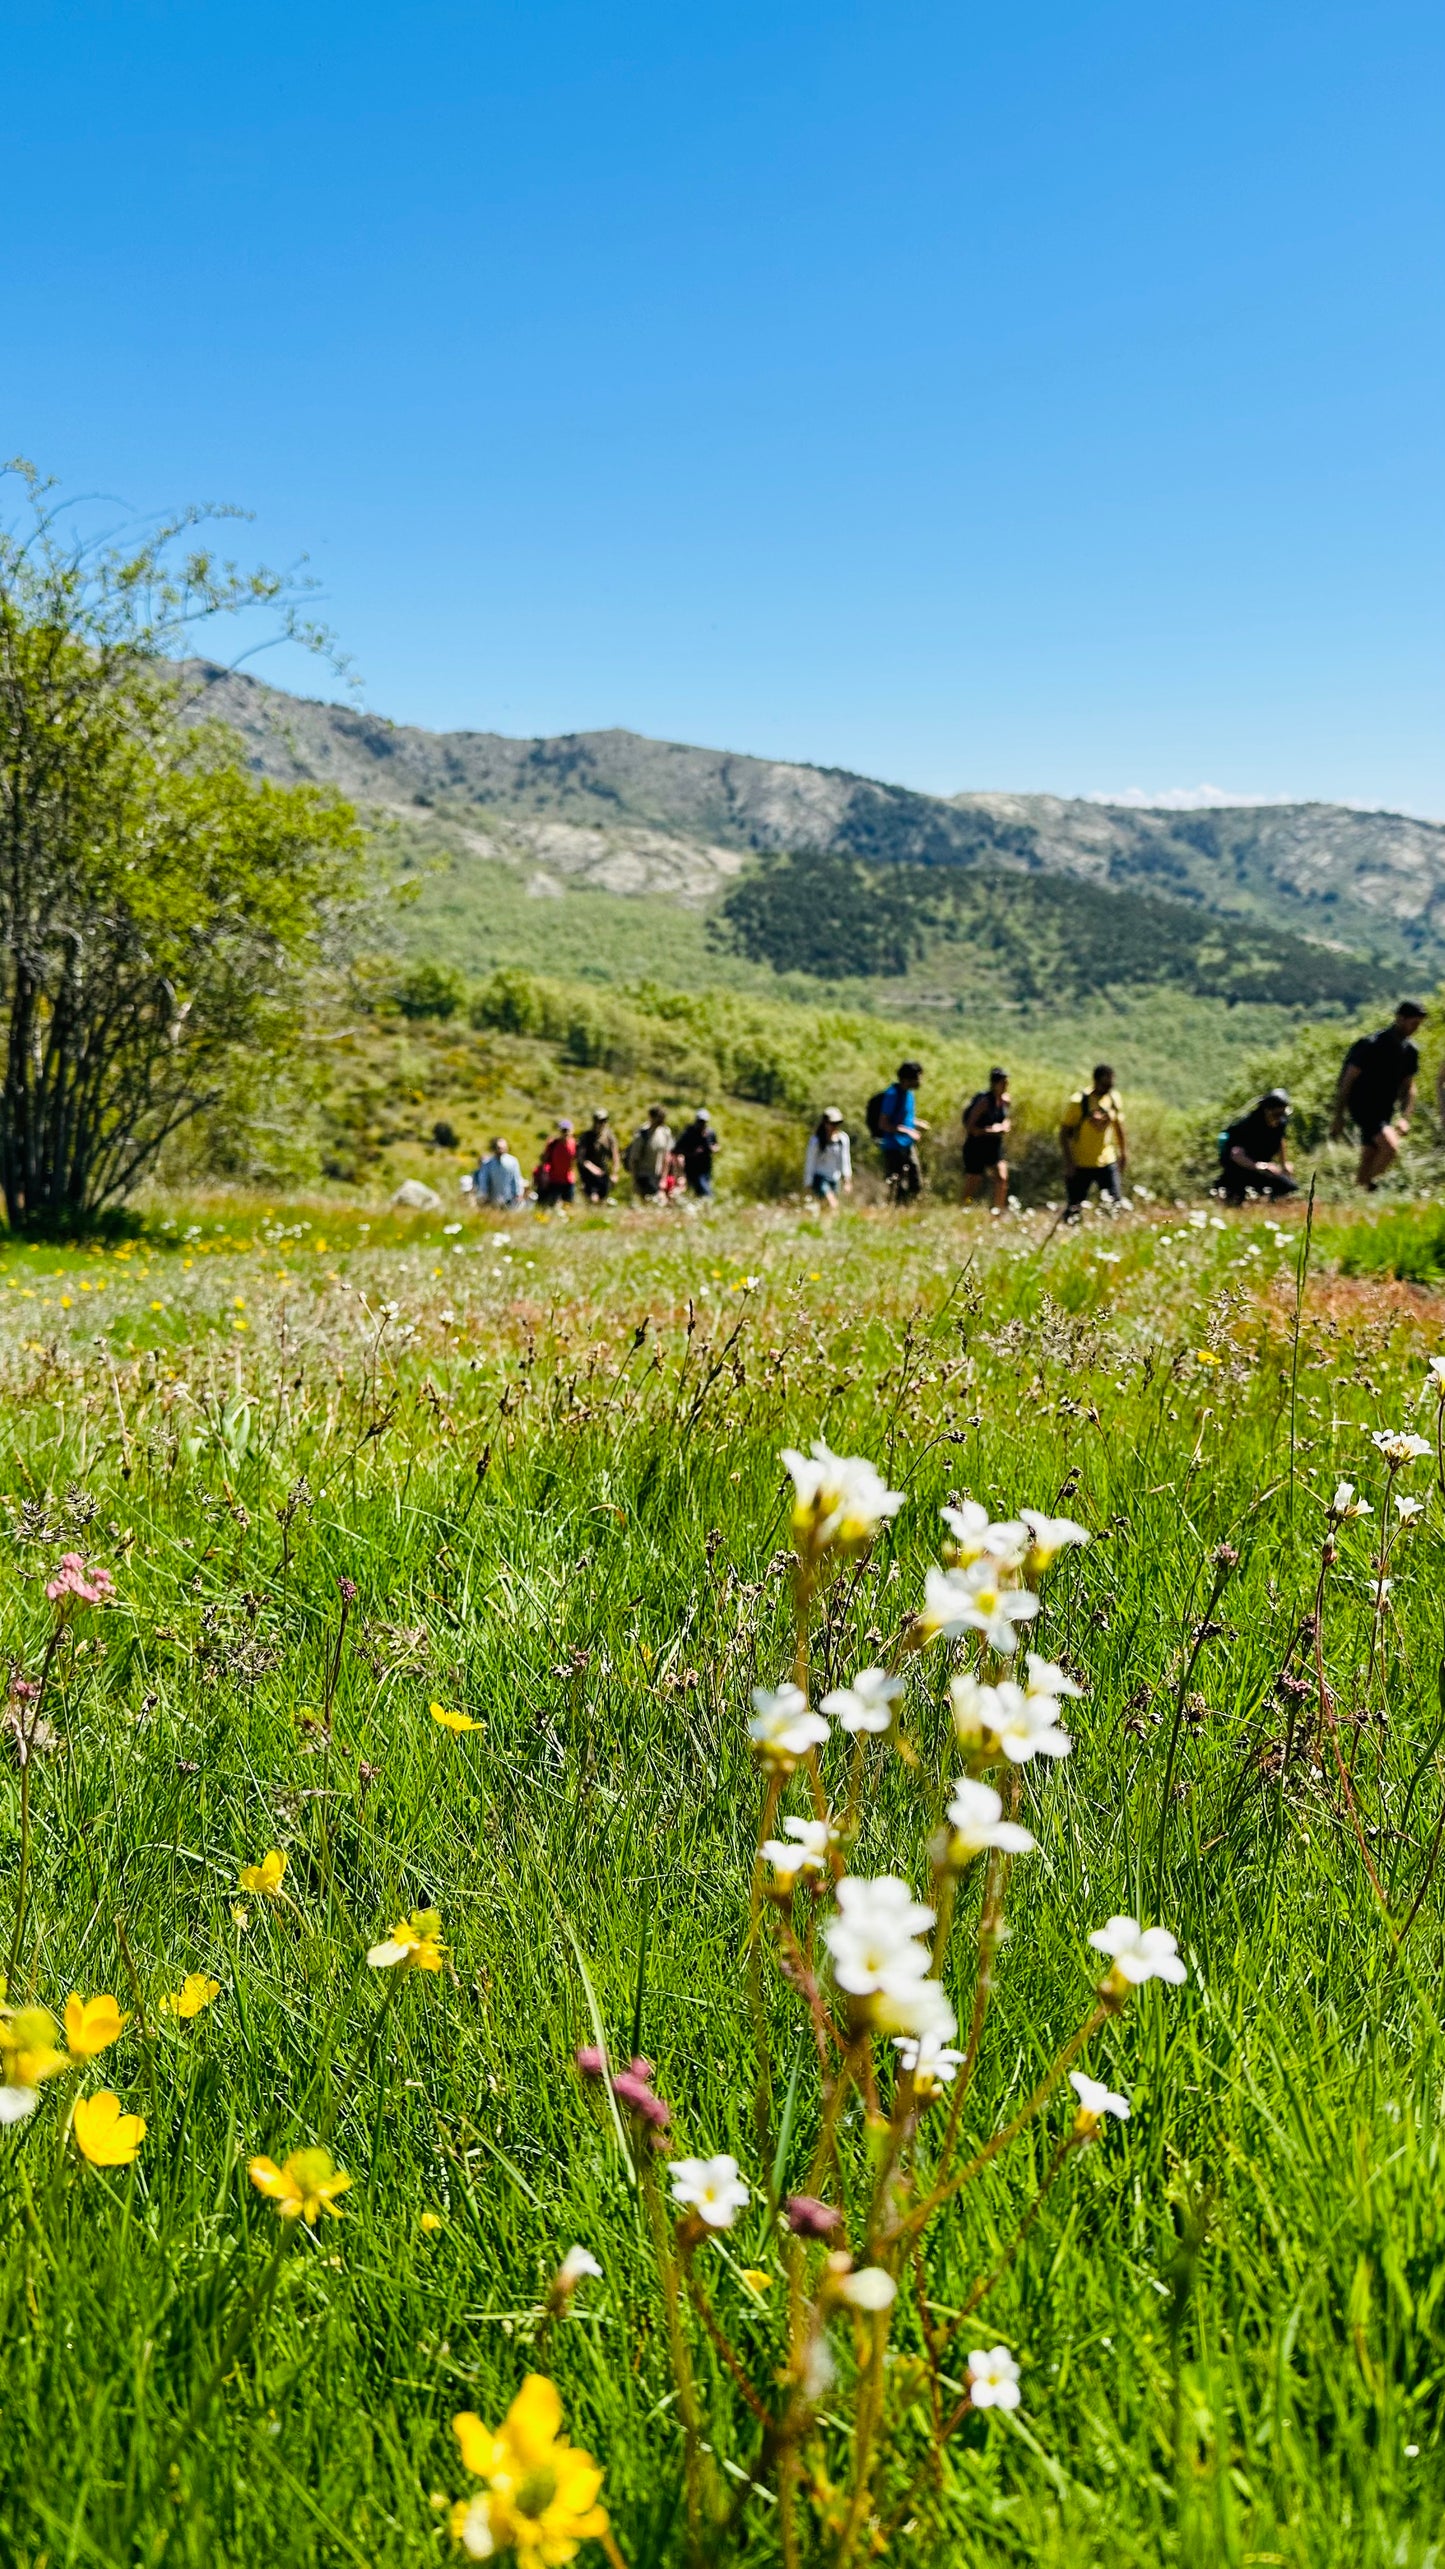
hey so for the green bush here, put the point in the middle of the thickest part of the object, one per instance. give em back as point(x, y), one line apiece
point(430, 990)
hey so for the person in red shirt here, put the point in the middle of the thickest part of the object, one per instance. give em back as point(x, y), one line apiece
point(555, 1176)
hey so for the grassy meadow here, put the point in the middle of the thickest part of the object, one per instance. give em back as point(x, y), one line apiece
point(544, 1452)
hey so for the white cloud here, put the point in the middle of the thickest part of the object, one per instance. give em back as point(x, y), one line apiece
point(1182, 798)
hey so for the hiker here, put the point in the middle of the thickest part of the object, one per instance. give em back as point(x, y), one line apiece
point(1096, 1151)
point(555, 1175)
point(598, 1157)
point(647, 1156)
point(987, 1122)
point(498, 1178)
point(828, 1161)
point(1377, 1092)
point(893, 1121)
point(1252, 1157)
point(697, 1147)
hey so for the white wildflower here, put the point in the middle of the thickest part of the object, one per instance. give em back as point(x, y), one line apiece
point(873, 1937)
point(1046, 1677)
point(1139, 1953)
point(1344, 1503)
point(931, 2062)
point(975, 1817)
point(1050, 1535)
point(1408, 1509)
point(840, 1502)
point(869, 2289)
point(1004, 1721)
point(1399, 1445)
point(17, 2102)
point(993, 2378)
point(946, 1603)
point(808, 1853)
point(578, 2263)
point(1435, 1376)
point(782, 1729)
point(1095, 2101)
point(712, 2188)
point(866, 1704)
point(986, 1606)
point(904, 2004)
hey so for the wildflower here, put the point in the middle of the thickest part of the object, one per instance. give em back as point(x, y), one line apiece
point(840, 1501)
point(1205, 1356)
point(1408, 1509)
point(993, 2378)
point(808, 2218)
point(986, 1606)
point(930, 2063)
point(265, 1876)
point(866, 1704)
point(1435, 1374)
point(431, 2222)
point(29, 2054)
point(1137, 1954)
point(1049, 1536)
point(1344, 1503)
point(1045, 1677)
point(631, 2086)
point(105, 2136)
point(975, 1534)
point(757, 2279)
point(782, 1729)
point(1399, 1446)
point(92, 1587)
point(305, 2184)
point(540, 2495)
point(576, 2265)
point(869, 2289)
point(1005, 1721)
point(807, 1854)
point(872, 1938)
point(712, 2188)
point(91, 2025)
point(456, 1723)
point(976, 1821)
point(414, 1944)
point(1095, 2102)
point(240, 1918)
point(195, 1993)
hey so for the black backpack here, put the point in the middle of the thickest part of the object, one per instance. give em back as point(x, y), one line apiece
point(873, 1114)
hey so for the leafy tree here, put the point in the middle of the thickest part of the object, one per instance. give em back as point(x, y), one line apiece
point(160, 907)
point(430, 990)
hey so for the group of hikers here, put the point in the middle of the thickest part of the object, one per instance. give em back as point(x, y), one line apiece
point(1375, 1092)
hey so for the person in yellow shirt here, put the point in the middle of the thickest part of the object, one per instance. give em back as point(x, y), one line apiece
point(1095, 1146)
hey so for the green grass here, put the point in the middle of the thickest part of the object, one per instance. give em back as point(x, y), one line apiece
point(1229, 2311)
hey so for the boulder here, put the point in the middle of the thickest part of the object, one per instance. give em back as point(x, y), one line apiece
point(412, 1197)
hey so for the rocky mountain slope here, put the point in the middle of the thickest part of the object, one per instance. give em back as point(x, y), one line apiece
point(630, 815)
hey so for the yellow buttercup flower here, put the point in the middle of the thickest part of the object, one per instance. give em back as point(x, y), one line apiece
point(105, 2136)
point(414, 1944)
point(304, 2185)
point(456, 1723)
point(541, 2492)
point(91, 2025)
point(265, 1876)
point(28, 2054)
point(757, 2278)
point(431, 2221)
point(194, 1993)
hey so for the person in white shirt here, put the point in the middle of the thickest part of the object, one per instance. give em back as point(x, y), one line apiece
point(828, 1165)
point(498, 1179)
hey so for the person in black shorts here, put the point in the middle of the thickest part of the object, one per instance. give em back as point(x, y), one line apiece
point(986, 1125)
point(1252, 1157)
point(1377, 1092)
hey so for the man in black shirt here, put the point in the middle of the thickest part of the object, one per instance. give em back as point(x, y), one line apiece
point(1377, 1091)
point(1252, 1152)
point(697, 1148)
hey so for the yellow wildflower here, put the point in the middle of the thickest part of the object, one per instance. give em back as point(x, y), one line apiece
point(431, 2221)
point(304, 2184)
point(194, 1993)
point(91, 2025)
point(541, 2493)
point(265, 1876)
point(1205, 1356)
point(28, 2054)
point(456, 1723)
point(105, 2136)
point(414, 1944)
point(757, 2278)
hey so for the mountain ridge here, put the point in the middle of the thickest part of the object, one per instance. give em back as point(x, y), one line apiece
point(626, 814)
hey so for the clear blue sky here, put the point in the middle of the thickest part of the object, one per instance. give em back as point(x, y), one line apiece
point(1044, 396)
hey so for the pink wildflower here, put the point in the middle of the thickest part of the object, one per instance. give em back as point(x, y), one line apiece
point(810, 2219)
point(90, 1587)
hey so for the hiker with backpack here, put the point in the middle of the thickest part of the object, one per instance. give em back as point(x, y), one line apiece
point(1377, 1092)
point(555, 1175)
point(894, 1122)
point(987, 1121)
point(648, 1156)
point(598, 1157)
point(1252, 1152)
point(1095, 1147)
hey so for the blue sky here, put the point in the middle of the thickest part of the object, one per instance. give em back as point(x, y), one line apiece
point(1036, 396)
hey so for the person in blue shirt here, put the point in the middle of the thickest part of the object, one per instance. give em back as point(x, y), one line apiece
point(498, 1178)
point(898, 1129)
